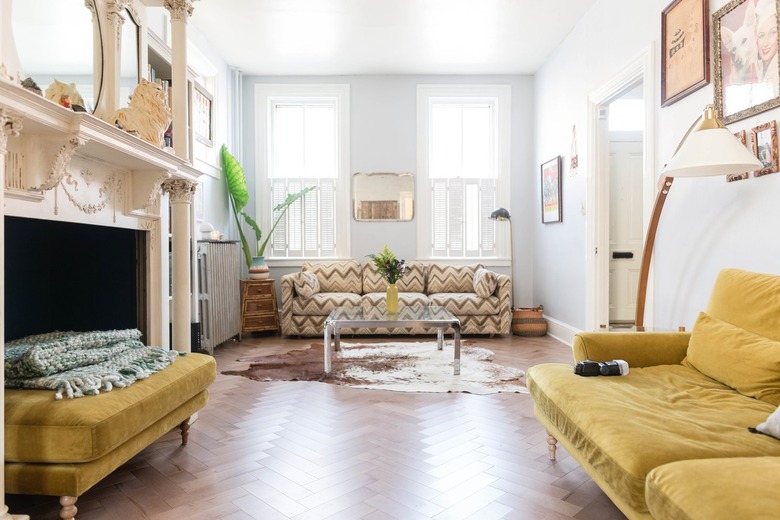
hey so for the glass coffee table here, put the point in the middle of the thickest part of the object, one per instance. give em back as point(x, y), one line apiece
point(428, 316)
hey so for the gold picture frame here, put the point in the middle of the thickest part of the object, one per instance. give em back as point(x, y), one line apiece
point(731, 177)
point(747, 64)
point(765, 148)
point(552, 210)
point(685, 49)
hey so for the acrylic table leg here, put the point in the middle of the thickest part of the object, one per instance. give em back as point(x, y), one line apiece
point(440, 338)
point(336, 338)
point(456, 364)
point(326, 341)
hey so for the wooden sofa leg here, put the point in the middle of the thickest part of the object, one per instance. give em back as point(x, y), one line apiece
point(185, 431)
point(551, 445)
point(69, 509)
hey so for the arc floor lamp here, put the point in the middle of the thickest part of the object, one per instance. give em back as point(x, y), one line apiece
point(501, 215)
point(708, 148)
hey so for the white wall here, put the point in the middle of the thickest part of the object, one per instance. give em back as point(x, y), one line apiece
point(383, 139)
point(707, 223)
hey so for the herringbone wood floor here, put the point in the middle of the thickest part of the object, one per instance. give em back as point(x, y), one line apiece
point(313, 451)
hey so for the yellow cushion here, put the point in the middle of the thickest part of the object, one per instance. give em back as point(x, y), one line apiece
point(40, 429)
point(626, 426)
point(748, 300)
point(715, 489)
point(746, 362)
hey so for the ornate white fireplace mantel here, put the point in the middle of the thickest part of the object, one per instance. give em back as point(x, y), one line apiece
point(69, 166)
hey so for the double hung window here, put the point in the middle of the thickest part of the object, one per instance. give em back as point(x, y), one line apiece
point(303, 135)
point(464, 169)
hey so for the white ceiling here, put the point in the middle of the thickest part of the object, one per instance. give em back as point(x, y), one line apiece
point(333, 37)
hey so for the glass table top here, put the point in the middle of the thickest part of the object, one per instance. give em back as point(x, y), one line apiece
point(411, 313)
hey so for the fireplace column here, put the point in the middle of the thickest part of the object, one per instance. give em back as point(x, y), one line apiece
point(180, 192)
point(180, 10)
point(9, 126)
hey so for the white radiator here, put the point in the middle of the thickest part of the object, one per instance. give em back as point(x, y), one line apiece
point(219, 277)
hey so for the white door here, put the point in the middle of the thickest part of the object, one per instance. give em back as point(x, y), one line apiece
point(625, 228)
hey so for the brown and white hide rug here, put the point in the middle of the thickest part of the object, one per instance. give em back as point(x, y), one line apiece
point(402, 367)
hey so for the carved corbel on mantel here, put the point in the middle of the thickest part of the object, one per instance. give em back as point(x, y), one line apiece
point(11, 126)
point(179, 9)
point(61, 161)
point(147, 187)
point(179, 190)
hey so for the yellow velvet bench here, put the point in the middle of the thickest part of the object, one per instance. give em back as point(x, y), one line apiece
point(677, 424)
point(64, 447)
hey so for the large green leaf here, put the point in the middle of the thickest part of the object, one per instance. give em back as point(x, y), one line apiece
point(236, 179)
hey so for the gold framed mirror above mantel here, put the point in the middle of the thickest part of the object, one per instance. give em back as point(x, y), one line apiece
point(384, 197)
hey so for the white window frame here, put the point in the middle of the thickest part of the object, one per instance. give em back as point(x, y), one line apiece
point(500, 96)
point(266, 94)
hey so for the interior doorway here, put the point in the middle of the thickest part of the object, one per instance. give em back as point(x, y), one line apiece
point(620, 190)
point(625, 126)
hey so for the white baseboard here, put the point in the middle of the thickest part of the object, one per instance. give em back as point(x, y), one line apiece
point(561, 331)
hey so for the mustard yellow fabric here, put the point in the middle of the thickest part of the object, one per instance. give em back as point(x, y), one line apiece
point(626, 426)
point(639, 349)
point(71, 479)
point(715, 489)
point(40, 429)
point(745, 361)
point(748, 300)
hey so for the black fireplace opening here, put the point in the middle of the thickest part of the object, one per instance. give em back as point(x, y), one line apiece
point(67, 276)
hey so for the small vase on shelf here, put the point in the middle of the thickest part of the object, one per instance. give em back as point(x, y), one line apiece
point(258, 270)
point(392, 298)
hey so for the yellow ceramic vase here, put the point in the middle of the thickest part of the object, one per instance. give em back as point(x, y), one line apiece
point(392, 298)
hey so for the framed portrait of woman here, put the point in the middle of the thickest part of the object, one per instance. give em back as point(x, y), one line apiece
point(745, 37)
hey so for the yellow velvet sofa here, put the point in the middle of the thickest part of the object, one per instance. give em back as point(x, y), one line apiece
point(64, 447)
point(670, 440)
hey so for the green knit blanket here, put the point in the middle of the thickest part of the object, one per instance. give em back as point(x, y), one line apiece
point(82, 363)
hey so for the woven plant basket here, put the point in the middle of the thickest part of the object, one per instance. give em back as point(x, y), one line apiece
point(528, 322)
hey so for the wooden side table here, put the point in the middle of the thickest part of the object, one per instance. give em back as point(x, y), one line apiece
point(258, 306)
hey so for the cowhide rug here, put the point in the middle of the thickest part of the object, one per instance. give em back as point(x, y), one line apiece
point(403, 367)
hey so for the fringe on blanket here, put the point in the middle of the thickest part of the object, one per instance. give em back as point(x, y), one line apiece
point(75, 364)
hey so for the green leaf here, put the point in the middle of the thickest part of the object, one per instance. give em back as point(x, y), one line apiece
point(249, 220)
point(236, 179)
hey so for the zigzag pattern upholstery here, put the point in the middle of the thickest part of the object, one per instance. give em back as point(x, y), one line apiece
point(306, 316)
point(379, 299)
point(451, 278)
point(338, 276)
point(466, 304)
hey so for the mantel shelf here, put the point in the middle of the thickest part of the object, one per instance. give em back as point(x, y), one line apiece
point(47, 120)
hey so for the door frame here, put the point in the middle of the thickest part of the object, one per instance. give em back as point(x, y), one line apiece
point(640, 68)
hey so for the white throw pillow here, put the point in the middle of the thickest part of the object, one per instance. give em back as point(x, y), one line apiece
point(307, 284)
point(485, 282)
point(772, 425)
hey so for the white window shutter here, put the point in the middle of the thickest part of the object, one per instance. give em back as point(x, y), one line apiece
point(439, 217)
point(456, 217)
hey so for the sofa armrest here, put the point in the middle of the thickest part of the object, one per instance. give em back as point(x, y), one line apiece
point(288, 293)
point(504, 293)
point(639, 349)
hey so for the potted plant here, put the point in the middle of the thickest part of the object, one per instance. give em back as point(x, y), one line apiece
point(391, 270)
point(239, 197)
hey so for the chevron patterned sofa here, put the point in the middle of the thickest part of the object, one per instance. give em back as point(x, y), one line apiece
point(480, 298)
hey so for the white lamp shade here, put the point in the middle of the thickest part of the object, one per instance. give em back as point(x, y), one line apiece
point(710, 152)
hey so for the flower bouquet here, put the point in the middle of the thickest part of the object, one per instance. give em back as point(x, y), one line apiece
point(388, 265)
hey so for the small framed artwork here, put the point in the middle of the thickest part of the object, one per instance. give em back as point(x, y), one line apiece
point(765, 148)
point(551, 191)
point(745, 40)
point(731, 177)
point(685, 49)
point(202, 115)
